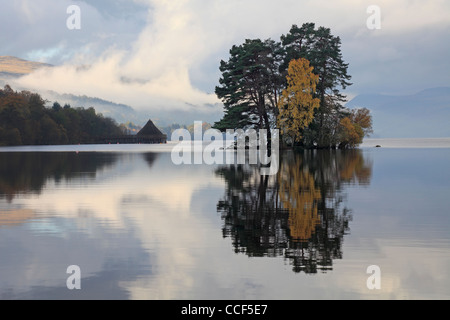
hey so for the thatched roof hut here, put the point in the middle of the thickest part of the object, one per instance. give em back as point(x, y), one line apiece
point(150, 131)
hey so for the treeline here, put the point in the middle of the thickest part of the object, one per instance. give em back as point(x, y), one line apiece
point(25, 120)
point(130, 128)
point(168, 130)
point(294, 85)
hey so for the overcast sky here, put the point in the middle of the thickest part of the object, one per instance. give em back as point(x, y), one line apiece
point(165, 53)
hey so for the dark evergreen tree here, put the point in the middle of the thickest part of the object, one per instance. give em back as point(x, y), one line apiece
point(250, 85)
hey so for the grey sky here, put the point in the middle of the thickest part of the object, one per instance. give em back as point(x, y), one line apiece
point(165, 54)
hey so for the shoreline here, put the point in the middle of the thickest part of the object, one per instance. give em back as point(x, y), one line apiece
point(417, 143)
point(406, 143)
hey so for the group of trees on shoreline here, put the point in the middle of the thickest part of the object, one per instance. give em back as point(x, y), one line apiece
point(25, 120)
point(292, 85)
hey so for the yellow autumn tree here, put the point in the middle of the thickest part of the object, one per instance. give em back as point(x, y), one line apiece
point(297, 103)
point(355, 127)
point(351, 134)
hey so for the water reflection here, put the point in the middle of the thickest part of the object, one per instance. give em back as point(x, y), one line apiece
point(55, 211)
point(141, 227)
point(298, 214)
point(27, 172)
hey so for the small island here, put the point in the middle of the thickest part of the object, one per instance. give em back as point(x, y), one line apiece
point(292, 85)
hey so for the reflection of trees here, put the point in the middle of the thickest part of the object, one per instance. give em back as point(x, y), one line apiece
point(298, 213)
point(26, 172)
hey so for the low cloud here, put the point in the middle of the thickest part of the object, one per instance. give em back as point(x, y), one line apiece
point(168, 57)
point(152, 72)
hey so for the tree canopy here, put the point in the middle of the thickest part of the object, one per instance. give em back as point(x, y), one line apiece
point(297, 103)
point(257, 74)
point(250, 85)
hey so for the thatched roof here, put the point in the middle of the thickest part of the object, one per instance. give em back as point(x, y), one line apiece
point(149, 130)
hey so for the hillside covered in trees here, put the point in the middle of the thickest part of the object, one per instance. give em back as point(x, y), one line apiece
point(24, 120)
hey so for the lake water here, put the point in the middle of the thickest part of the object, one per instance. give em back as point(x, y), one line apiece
point(140, 227)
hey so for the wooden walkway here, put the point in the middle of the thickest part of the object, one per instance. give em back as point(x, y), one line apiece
point(134, 139)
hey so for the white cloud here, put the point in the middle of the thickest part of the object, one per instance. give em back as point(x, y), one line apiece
point(171, 60)
point(153, 73)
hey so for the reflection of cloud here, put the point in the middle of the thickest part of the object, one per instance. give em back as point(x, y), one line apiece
point(407, 272)
point(157, 220)
point(105, 197)
point(162, 245)
point(15, 217)
point(34, 264)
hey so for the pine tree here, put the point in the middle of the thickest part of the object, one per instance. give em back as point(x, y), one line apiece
point(250, 85)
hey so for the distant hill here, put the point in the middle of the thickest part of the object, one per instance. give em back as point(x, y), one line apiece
point(16, 67)
point(120, 112)
point(123, 113)
point(425, 114)
point(13, 67)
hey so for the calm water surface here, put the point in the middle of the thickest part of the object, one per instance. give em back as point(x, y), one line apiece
point(140, 227)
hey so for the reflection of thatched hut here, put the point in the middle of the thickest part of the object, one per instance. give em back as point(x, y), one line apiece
point(151, 134)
